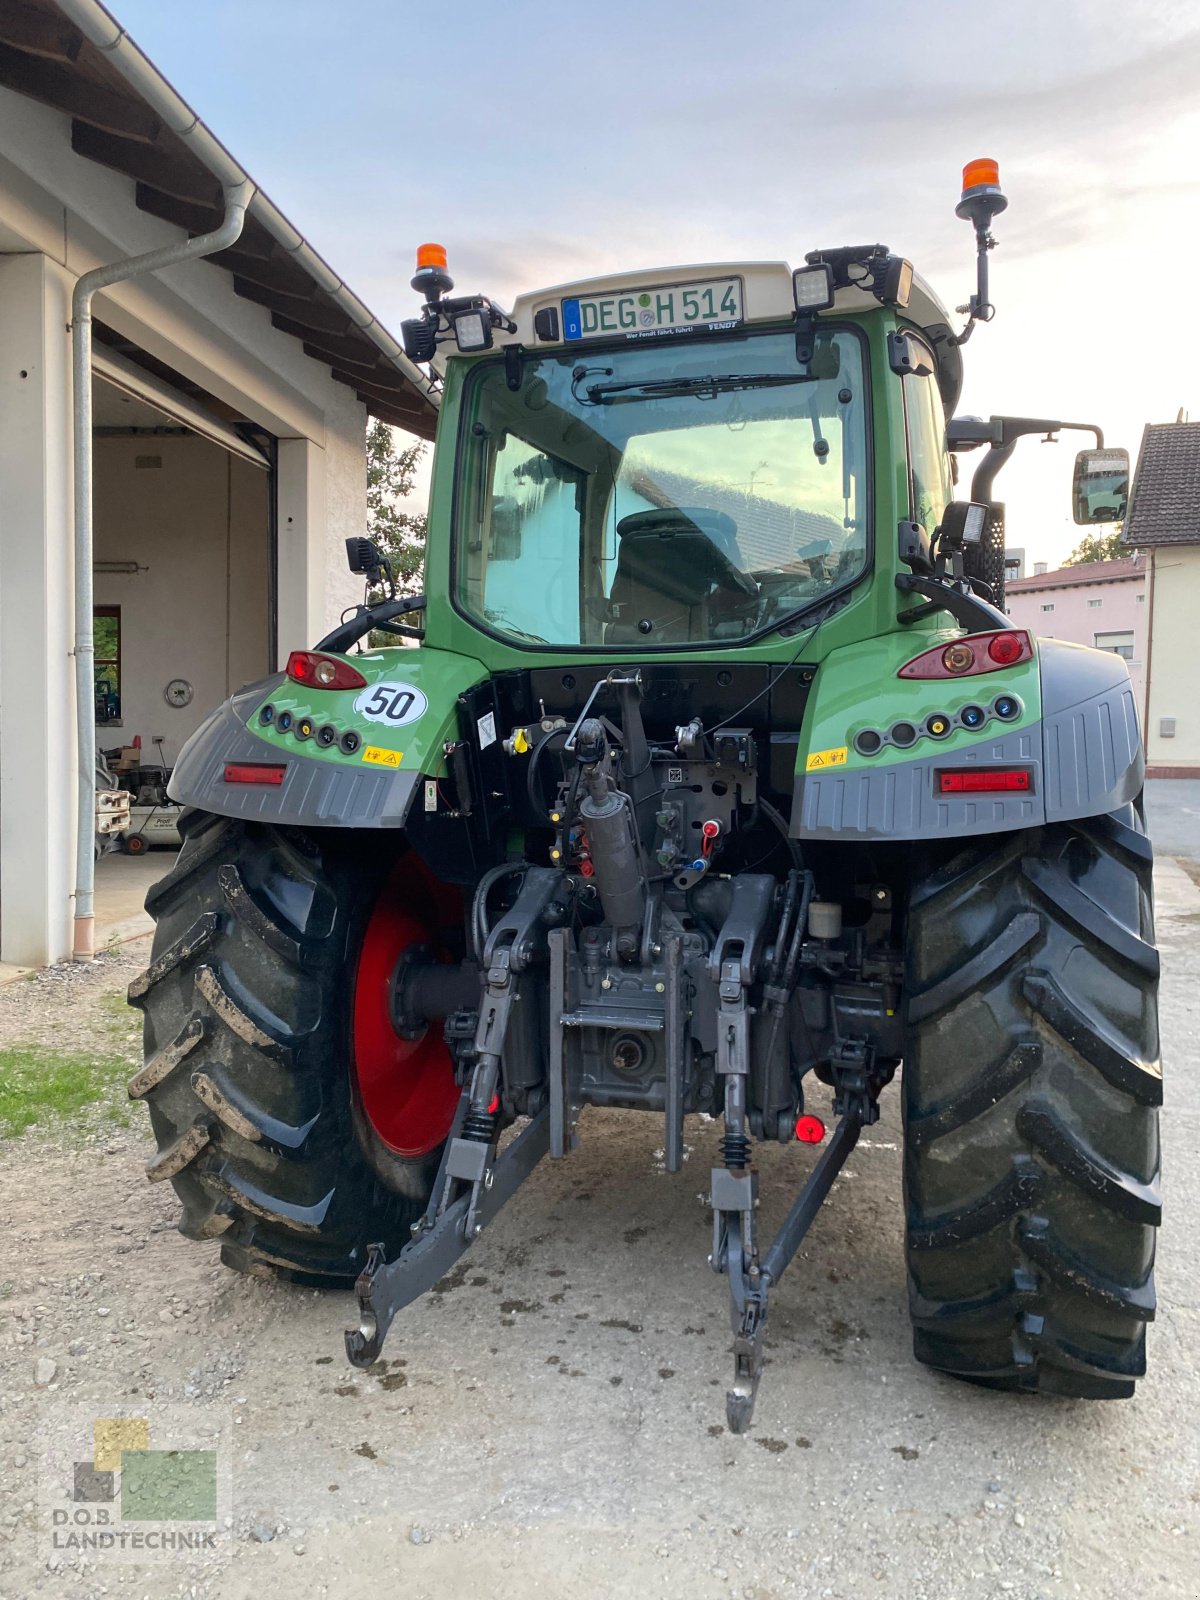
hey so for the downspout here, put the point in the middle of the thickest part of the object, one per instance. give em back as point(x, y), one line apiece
point(1151, 581)
point(104, 31)
point(237, 197)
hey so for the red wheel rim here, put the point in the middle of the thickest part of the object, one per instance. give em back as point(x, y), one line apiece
point(406, 1087)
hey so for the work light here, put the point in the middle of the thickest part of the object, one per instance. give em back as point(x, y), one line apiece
point(473, 330)
point(813, 287)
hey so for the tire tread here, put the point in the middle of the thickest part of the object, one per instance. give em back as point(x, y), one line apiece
point(1038, 1277)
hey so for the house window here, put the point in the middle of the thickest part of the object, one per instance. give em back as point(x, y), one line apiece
point(106, 665)
point(1092, 604)
point(1141, 599)
point(1050, 607)
point(1119, 644)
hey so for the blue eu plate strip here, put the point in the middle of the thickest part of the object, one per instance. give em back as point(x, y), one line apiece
point(572, 322)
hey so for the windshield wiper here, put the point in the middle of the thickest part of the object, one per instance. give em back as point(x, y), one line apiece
point(705, 388)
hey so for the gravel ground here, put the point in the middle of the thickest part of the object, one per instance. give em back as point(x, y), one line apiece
point(67, 1006)
point(551, 1422)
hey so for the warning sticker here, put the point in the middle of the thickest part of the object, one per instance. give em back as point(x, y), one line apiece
point(820, 759)
point(382, 758)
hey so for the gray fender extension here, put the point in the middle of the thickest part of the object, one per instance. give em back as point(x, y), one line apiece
point(1094, 762)
point(313, 794)
point(1086, 759)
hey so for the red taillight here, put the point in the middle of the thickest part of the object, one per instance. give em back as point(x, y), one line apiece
point(998, 780)
point(254, 772)
point(316, 671)
point(809, 1129)
point(1005, 648)
point(975, 653)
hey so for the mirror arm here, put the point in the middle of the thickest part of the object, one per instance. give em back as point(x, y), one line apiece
point(367, 617)
point(1001, 435)
point(967, 609)
point(985, 473)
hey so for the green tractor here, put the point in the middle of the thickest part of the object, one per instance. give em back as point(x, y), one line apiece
point(718, 782)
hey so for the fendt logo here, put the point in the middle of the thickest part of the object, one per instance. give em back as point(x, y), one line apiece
point(143, 1488)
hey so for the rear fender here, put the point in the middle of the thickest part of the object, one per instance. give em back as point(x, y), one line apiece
point(397, 727)
point(1077, 735)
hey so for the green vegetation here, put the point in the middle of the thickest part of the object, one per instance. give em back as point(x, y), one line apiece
point(391, 475)
point(1098, 547)
point(39, 1085)
point(44, 1082)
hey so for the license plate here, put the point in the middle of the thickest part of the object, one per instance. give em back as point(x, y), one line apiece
point(713, 305)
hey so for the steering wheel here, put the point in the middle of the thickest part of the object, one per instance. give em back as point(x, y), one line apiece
point(729, 576)
point(696, 542)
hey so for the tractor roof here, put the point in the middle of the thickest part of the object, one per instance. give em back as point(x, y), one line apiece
point(767, 289)
point(767, 297)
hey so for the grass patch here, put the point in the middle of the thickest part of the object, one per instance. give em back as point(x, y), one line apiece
point(121, 1022)
point(114, 1002)
point(40, 1086)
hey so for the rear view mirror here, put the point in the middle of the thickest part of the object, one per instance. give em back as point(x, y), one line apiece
point(1100, 489)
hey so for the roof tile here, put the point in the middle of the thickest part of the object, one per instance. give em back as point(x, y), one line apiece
point(1123, 570)
point(1164, 506)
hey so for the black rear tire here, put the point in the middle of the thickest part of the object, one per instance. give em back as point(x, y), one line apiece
point(248, 1074)
point(1031, 1088)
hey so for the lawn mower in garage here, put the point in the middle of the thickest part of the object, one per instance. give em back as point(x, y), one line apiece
point(718, 781)
point(152, 816)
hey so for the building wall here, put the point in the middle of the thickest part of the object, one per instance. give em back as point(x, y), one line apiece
point(345, 500)
point(37, 698)
point(198, 524)
point(1174, 685)
point(1078, 618)
point(322, 503)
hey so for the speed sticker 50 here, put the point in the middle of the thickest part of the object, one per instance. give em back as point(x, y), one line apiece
point(394, 704)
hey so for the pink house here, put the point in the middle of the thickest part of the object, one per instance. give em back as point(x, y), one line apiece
point(1101, 603)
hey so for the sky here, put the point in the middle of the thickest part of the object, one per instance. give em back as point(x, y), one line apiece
point(541, 142)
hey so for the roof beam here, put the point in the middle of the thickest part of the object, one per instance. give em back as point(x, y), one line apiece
point(189, 214)
point(422, 423)
point(255, 241)
point(311, 314)
point(158, 166)
point(357, 354)
point(62, 87)
point(38, 33)
point(382, 392)
point(274, 272)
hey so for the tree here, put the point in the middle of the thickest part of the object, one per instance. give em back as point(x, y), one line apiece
point(391, 473)
point(1098, 547)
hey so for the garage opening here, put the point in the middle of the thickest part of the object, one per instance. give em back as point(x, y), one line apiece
point(184, 588)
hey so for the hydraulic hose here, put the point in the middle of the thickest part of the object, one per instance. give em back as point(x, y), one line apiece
point(537, 800)
point(777, 821)
point(479, 924)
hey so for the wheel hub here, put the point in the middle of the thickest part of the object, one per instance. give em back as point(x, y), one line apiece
point(405, 1080)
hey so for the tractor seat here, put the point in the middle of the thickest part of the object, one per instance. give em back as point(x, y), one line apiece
point(669, 561)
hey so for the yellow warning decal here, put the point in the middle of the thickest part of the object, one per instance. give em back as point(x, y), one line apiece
point(826, 758)
point(387, 758)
